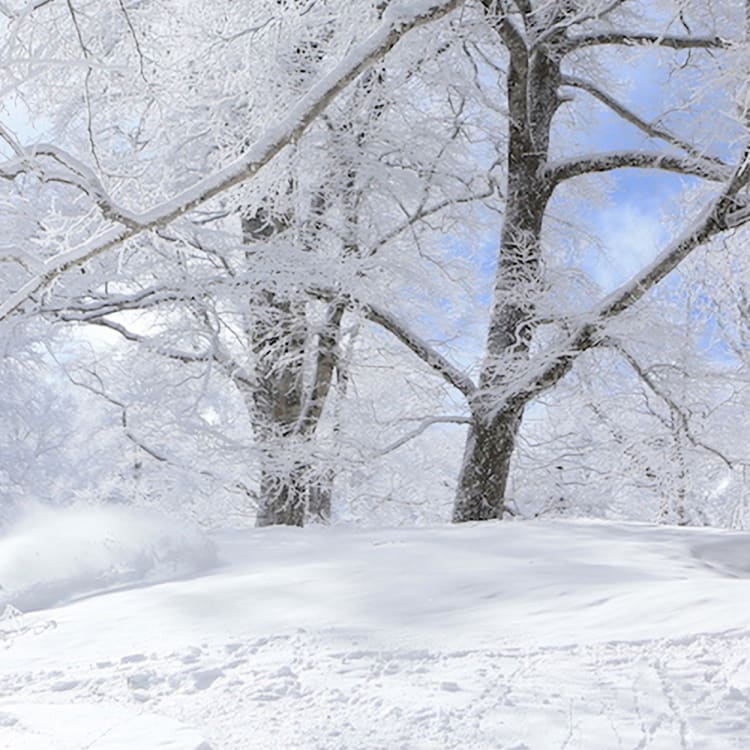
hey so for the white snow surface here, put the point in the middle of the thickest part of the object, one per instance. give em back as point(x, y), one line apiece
point(517, 636)
point(58, 726)
point(52, 555)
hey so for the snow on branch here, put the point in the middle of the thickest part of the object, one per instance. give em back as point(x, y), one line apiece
point(605, 162)
point(69, 171)
point(424, 425)
point(545, 371)
point(727, 211)
point(575, 42)
point(676, 409)
point(650, 129)
point(96, 306)
point(400, 19)
point(418, 346)
point(215, 354)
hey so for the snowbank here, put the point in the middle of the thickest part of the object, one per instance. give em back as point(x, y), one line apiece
point(53, 555)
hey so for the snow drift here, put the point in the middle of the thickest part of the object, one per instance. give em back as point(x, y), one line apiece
point(53, 555)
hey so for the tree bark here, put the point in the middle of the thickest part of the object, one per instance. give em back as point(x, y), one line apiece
point(497, 411)
point(286, 411)
point(486, 467)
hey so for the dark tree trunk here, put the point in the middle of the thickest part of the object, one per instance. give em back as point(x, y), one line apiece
point(486, 466)
point(283, 501)
point(532, 83)
point(285, 410)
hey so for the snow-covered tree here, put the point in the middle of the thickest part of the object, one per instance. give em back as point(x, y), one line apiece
point(236, 191)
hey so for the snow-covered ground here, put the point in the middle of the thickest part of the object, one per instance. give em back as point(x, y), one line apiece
point(535, 635)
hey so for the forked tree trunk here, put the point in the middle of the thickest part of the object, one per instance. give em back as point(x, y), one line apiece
point(532, 83)
point(284, 409)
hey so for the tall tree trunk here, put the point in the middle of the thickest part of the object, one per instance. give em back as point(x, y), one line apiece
point(288, 409)
point(497, 411)
point(279, 336)
point(285, 410)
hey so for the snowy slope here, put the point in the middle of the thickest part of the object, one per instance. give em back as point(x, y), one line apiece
point(530, 635)
point(53, 555)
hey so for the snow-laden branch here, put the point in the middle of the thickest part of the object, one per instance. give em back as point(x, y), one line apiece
point(649, 128)
point(589, 12)
point(422, 427)
point(675, 408)
point(545, 370)
point(724, 212)
point(215, 354)
point(578, 41)
point(424, 212)
point(605, 162)
point(98, 306)
point(30, 7)
point(400, 18)
point(67, 170)
point(417, 345)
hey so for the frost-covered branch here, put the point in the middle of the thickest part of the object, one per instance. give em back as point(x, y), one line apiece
point(156, 454)
point(418, 346)
point(95, 307)
point(724, 212)
point(424, 212)
point(422, 427)
point(579, 41)
point(650, 129)
point(452, 374)
point(673, 406)
point(68, 171)
point(398, 20)
point(214, 354)
point(566, 169)
point(547, 369)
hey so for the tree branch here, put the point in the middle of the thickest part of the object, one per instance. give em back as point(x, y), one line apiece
point(673, 406)
point(96, 307)
point(565, 23)
point(650, 129)
point(417, 431)
point(398, 21)
point(214, 354)
point(418, 346)
point(546, 370)
point(74, 173)
point(560, 171)
point(576, 42)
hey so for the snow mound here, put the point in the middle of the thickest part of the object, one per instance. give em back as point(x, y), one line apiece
point(51, 556)
point(54, 726)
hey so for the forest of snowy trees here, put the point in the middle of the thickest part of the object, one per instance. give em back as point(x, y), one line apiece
point(377, 260)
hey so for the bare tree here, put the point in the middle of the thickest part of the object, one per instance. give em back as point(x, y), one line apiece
point(549, 49)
